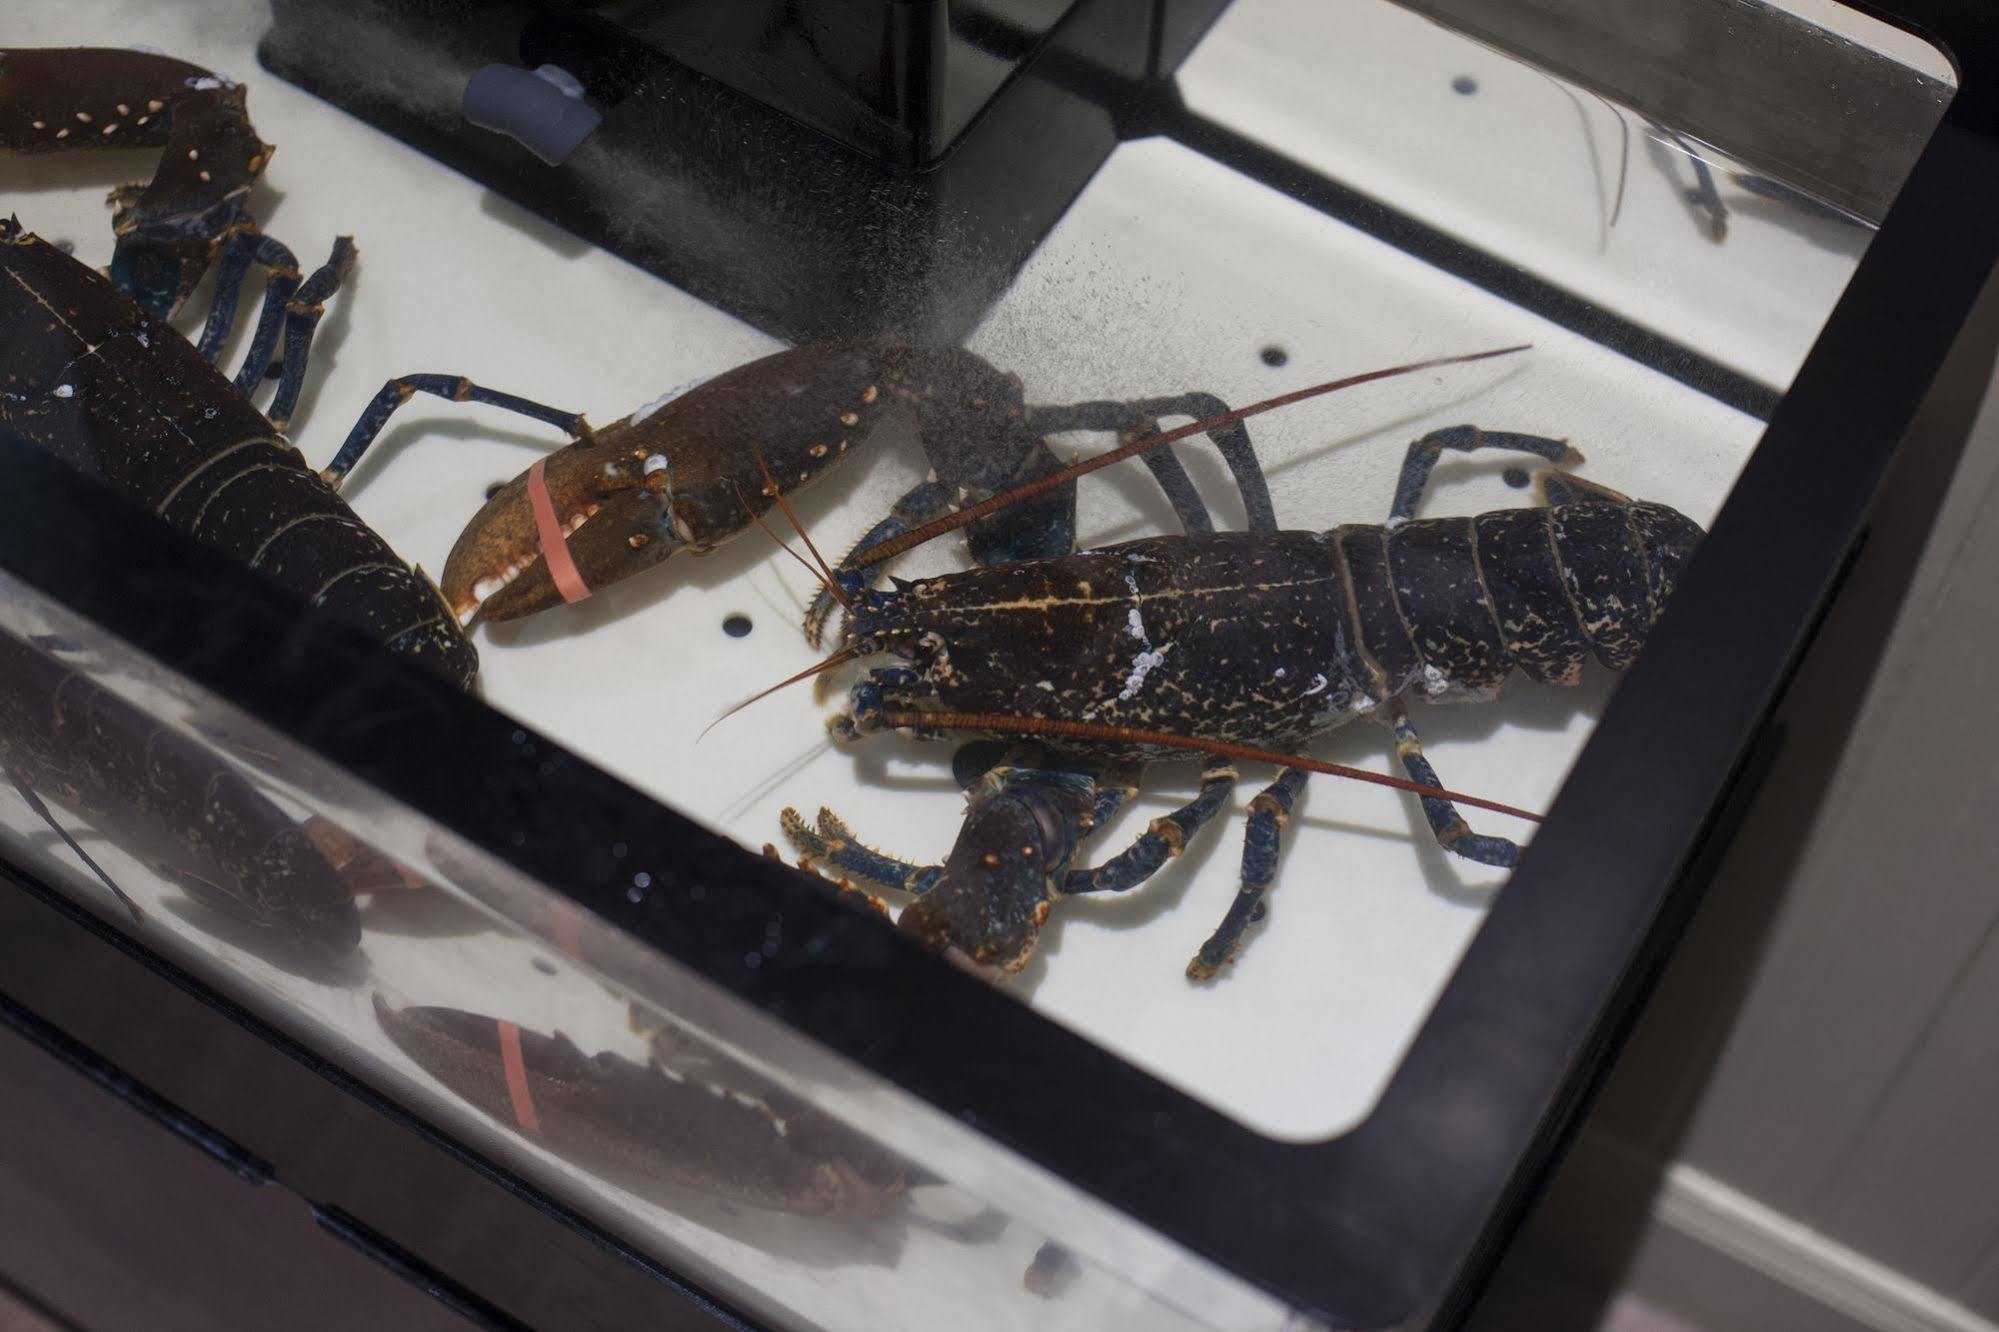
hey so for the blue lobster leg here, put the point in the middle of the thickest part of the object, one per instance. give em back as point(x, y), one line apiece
point(454, 388)
point(245, 246)
point(1114, 791)
point(1452, 832)
point(1141, 417)
point(1267, 816)
point(835, 843)
point(280, 284)
point(302, 315)
point(1423, 454)
point(230, 269)
point(1163, 463)
point(1160, 842)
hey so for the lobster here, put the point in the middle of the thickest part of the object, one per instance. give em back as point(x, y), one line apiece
point(97, 381)
point(688, 471)
point(1241, 645)
point(94, 374)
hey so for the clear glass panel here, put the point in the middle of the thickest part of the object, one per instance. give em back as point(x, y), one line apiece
point(724, 1146)
point(1170, 273)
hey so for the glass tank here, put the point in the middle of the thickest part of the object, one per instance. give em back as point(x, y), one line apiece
point(1337, 189)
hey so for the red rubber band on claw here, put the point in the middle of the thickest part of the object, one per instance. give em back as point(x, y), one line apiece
point(554, 546)
point(517, 1077)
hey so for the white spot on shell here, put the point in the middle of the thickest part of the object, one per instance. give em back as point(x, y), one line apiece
point(1141, 666)
point(144, 341)
point(208, 83)
point(1318, 686)
point(1277, 674)
point(65, 391)
point(655, 462)
point(1435, 682)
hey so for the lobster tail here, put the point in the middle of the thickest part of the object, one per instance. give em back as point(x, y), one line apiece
point(1669, 537)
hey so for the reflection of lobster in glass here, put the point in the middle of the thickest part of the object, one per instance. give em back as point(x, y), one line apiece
point(686, 1118)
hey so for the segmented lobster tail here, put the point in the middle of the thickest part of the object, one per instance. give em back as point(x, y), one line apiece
point(1450, 606)
point(125, 399)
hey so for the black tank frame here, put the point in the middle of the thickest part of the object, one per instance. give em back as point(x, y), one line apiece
point(1394, 1223)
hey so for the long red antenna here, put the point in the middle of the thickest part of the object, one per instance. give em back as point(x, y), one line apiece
point(771, 489)
point(832, 588)
point(840, 658)
point(971, 513)
point(999, 724)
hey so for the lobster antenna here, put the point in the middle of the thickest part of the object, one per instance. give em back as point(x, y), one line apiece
point(1081, 730)
point(840, 658)
point(832, 589)
point(771, 489)
point(971, 513)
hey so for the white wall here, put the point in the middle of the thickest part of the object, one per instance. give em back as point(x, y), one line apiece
point(1801, 1132)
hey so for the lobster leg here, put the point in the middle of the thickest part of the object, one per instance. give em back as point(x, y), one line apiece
point(1452, 832)
point(1231, 441)
point(1268, 814)
point(455, 388)
point(1423, 454)
point(1164, 464)
point(1162, 841)
point(836, 844)
point(302, 315)
point(279, 285)
point(230, 270)
point(1130, 420)
point(246, 246)
point(1114, 791)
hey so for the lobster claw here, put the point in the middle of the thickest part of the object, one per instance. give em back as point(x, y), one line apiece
point(499, 569)
point(986, 910)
